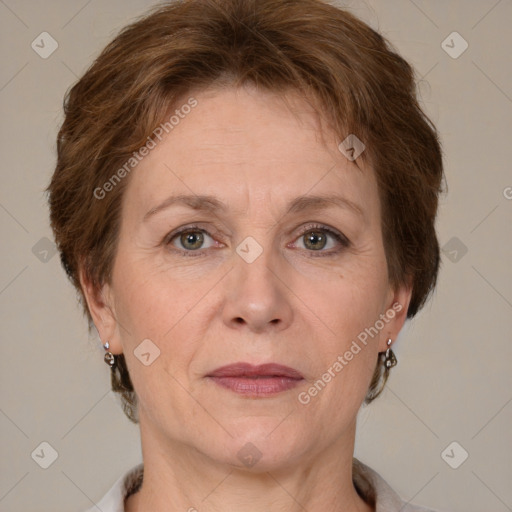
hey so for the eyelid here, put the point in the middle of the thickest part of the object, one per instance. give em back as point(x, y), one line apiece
point(314, 225)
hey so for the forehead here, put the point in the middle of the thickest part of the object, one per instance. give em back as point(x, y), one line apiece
point(245, 145)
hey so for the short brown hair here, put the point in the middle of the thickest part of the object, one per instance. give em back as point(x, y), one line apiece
point(363, 86)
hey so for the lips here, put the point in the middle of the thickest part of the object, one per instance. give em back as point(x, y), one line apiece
point(266, 380)
point(246, 370)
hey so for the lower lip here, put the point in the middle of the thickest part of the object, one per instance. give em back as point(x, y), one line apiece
point(257, 387)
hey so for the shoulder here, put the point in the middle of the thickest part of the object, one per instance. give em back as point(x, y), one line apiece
point(375, 490)
point(113, 500)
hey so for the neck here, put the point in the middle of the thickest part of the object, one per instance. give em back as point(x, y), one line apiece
point(178, 477)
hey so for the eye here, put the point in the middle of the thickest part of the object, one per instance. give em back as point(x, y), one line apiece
point(189, 239)
point(315, 238)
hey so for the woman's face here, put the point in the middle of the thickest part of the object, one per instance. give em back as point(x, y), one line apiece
point(266, 272)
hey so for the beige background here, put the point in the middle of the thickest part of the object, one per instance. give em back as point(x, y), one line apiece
point(453, 381)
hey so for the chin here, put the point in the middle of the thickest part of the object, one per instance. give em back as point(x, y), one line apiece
point(258, 446)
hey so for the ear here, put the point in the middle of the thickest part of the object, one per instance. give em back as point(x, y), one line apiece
point(101, 307)
point(396, 311)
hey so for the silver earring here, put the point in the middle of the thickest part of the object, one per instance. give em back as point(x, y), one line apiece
point(109, 357)
point(390, 358)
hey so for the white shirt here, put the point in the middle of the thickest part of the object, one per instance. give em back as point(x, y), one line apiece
point(370, 485)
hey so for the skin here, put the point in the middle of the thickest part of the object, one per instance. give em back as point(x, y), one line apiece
point(256, 153)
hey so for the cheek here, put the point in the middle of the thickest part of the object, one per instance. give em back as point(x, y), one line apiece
point(350, 300)
point(346, 357)
point(348, 310)
point(151, 303)
point(153, 314)
point(153, 308)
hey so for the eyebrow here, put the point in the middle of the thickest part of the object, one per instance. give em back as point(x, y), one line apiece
point(207, 203)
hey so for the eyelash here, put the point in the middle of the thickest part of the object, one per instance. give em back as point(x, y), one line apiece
point(341, 239)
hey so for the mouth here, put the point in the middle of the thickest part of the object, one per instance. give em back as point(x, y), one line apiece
point(256, 381)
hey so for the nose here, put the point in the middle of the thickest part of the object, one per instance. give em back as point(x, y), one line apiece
point(258, 297)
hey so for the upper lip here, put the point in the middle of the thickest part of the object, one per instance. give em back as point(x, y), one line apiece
point(262, 370)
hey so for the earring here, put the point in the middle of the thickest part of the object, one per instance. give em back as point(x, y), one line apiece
point(390, 358)
point(109, 357)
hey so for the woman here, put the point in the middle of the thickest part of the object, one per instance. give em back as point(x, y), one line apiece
point(245, 198)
